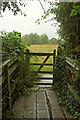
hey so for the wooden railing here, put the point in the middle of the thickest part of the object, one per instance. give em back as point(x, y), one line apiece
point(71, 63)
point(72, 88)
point(12, 73)
point(10, 78)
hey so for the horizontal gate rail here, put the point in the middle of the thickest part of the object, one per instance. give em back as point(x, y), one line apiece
point(42, 71)
point(41, 54)
point(40, 64)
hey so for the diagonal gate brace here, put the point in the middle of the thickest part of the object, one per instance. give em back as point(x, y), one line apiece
point(42, 64)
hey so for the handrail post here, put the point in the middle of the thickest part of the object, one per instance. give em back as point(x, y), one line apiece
point(54, 61)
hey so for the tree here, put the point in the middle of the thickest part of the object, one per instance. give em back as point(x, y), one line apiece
point(12, 6)
point(11, 43)
point(53, 41)
point(44, 39)
point(34, 38)
point(69, 25)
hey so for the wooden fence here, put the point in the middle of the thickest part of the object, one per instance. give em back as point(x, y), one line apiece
point(10, 77)
point(74, 87)
point(12, 74)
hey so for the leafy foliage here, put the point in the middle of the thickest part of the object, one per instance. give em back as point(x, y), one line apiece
point(12, 6)
point(76, 10)
point(67, 15)
point(62, 77)
point(11, 44)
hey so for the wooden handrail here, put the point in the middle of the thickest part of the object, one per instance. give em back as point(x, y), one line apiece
point(8, 68)
point(71, 62)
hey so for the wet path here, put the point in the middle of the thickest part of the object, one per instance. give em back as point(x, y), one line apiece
point(41, 103)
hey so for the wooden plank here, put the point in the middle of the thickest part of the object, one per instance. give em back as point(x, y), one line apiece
point(13, 68)
point(39, 83)
point(42, 71)
point(9, 62)
point(12, 61)
point(40, 64)
point(5, 63)
point(41, 54)
point(44, 78)
point(71, 63)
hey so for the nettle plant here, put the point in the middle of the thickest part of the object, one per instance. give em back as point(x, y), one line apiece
point(11, 44)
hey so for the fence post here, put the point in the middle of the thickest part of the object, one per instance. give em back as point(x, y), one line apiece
point(21, 65)
point(54, 61)
point(27, 63)
point(9, 88)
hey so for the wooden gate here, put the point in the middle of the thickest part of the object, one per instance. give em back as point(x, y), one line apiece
point(28, 54)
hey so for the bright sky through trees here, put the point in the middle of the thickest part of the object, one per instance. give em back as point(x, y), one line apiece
point(27, 25)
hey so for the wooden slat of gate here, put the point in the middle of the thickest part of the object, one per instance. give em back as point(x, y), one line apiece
point(40, 64)
point(42, 72)
point(41, 54)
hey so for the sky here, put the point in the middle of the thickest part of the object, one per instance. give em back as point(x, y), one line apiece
point(27, 25)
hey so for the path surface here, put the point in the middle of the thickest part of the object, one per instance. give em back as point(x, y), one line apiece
point(41, 103)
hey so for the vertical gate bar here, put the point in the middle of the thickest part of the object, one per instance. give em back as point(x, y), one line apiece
point(54, 60)
point(27, 63)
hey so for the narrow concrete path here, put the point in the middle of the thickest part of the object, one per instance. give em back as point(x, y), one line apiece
point(41, 103)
